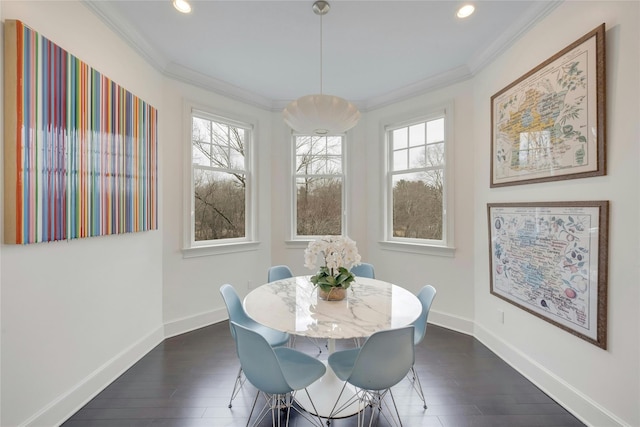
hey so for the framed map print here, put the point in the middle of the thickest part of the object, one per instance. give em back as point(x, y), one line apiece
point(550, 259)
point(550, 123)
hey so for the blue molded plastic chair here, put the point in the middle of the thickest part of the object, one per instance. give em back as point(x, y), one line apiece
point(426, 296)
point(277, 373)
point(364, 269)
point(383, 361)
point(237, 314)
point(278, 272)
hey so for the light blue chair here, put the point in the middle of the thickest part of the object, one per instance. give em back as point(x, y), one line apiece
point(385, 358)
point(426, 296)
point(238, 315)
point(277, 373)
point(278, 272)
point(364, 269)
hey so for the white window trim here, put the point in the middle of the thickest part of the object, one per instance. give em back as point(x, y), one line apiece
point(191, 248)
point(297, 241)
point(422, 246)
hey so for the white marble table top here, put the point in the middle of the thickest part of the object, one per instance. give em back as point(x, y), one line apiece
point(293, 306)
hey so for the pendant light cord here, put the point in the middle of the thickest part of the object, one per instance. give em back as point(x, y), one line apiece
point(320, 54)
point(319, 114)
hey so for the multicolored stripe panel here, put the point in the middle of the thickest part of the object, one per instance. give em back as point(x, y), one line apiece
point(80, 152)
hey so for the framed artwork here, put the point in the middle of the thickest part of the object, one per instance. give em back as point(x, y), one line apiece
point(550, 259)
point(550, 123)
point(80, 151)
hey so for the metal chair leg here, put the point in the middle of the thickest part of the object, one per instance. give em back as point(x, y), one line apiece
point(279, 406)
point(237, 386)
point(417, 386)
point(315, 342)
point(379, 409)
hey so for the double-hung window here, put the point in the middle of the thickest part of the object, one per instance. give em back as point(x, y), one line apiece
point(220, 180)
point(319, 185)
point(417, 186)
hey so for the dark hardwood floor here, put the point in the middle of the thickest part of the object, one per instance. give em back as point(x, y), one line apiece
point(186, 382)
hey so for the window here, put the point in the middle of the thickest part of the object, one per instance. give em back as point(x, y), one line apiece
point(220, 180)
point(417, 186)
point(318, 183)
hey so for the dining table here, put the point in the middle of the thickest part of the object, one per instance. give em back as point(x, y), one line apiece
point(292, 305)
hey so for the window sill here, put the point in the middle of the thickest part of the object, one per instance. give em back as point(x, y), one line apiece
point(416, 248)
point(226, 248)
point(297, 244)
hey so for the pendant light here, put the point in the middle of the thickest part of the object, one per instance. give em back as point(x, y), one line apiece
point(321, 114)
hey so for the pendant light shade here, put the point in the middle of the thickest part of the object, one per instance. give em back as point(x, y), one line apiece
point(321, 114)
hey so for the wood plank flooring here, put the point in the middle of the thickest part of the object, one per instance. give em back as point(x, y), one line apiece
point(186, 381)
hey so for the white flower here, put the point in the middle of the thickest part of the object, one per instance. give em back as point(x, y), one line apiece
point(336, 252)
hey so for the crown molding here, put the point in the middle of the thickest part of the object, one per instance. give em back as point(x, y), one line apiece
point(195, 78)
point(429, 84)
point(114, 20)
point(110, 16)
point(517, 29)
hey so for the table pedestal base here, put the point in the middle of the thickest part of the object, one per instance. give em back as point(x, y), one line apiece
point(324, 394)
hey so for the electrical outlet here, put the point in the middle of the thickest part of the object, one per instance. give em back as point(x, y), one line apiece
point(500, 316)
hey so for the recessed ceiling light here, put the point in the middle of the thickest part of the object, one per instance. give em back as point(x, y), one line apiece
point(182, 6)
point(465, 11)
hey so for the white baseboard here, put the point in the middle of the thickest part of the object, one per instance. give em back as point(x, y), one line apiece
point(454, 323)
point(191, 323)
point(581, 406)
point(571, 399)
point(59, 410)
point(67, 404)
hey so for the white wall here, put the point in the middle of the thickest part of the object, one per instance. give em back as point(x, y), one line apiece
point(70, 323)
point(191, 285)
point(75, 314)
point(601, 386)
point(451, 276)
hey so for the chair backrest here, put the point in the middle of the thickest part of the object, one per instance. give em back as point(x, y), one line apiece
point(364, 269)
point(259, 362)
point(426, 296)
point(278, 272)
point(234, 308)
point(384, 359)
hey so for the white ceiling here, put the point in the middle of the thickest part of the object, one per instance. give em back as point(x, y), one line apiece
point(268, 52)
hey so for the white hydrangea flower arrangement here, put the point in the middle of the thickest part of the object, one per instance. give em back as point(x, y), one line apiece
point(338, 255)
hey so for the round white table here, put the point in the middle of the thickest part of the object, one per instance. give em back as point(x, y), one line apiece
point(292, 305)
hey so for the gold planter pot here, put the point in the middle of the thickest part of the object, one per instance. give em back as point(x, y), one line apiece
point(334, 294)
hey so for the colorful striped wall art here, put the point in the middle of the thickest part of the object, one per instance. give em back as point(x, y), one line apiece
point(80, 152)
